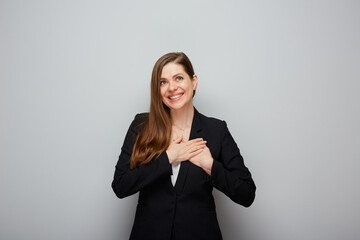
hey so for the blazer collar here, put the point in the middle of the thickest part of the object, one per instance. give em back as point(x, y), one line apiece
point(184, 167)
point(195, 125)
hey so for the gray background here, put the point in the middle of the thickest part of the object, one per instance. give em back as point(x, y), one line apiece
point(283, 74)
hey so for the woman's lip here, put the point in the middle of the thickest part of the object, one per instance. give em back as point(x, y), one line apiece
point(174, 99)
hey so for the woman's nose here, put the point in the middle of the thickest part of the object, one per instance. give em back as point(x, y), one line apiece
point(173, 86)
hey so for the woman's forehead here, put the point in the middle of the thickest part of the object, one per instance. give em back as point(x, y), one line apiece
point(171, 69)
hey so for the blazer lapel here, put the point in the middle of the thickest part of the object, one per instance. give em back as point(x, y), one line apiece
point(184, 167)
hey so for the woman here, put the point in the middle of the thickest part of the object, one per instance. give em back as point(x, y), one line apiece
point(175, 156)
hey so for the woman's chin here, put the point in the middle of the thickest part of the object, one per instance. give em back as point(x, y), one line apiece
point(177, 107)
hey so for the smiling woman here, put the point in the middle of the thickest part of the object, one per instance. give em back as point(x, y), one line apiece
point(174, 156)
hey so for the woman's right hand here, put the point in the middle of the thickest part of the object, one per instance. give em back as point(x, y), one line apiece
point(179, 151)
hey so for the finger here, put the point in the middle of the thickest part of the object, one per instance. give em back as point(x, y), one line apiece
point(195, 153)
point(178, 139)
point(195, 141)
point(196, 144)
point(196, 148)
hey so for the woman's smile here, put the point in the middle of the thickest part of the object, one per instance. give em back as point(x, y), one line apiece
point(176, 97)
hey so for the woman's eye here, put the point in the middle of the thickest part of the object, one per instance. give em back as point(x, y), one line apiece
point(179, 78)
point(162, 82)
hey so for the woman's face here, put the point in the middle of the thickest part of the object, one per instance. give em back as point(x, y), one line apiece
point(176, 86)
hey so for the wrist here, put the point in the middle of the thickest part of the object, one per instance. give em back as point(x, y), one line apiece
point(170, 157)
point(207, 165)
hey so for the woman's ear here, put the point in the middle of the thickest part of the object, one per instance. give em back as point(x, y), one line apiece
point(194, 81)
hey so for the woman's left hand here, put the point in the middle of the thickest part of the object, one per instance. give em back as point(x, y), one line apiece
point(203, 160)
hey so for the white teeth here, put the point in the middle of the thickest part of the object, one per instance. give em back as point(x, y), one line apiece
point(177, 96)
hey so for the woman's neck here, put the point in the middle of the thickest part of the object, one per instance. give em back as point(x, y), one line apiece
point(182, 118)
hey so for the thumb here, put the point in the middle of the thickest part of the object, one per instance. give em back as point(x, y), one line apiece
point(178, 139)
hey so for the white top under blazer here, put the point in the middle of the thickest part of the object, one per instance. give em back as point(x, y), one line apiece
point(175, 172)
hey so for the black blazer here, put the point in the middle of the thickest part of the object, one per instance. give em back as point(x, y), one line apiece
point(186, 211)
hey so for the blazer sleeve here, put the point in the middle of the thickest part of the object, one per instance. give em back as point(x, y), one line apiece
point(129, 181)
point(229, 173)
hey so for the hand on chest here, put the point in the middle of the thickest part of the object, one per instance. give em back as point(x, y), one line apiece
point(214, 144)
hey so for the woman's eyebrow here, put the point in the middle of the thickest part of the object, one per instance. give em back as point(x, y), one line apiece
point(177, 74)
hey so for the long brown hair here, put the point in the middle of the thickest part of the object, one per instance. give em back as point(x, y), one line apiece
point(154, 138)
